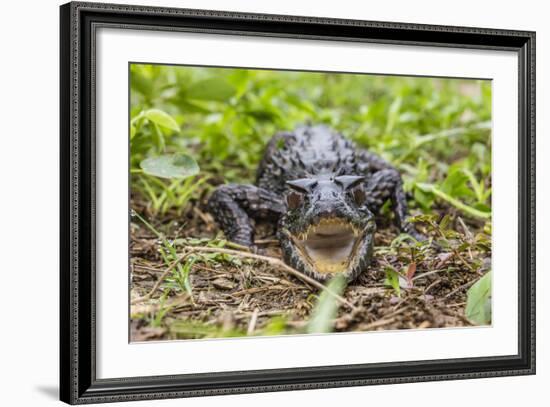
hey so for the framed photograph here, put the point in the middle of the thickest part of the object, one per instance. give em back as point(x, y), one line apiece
point(255, 203)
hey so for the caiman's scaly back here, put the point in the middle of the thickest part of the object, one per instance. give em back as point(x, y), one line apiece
point(305, 152)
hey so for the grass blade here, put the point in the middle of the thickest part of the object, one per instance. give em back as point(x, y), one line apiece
point(326, 308)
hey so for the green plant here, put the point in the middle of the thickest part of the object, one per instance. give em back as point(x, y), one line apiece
point(392, 279)
point(437, 131)
point(478, 305)
point(158, 317)
point(180, 275)
point(324, 312)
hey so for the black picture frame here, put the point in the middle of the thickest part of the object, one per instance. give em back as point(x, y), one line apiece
point(78, 382)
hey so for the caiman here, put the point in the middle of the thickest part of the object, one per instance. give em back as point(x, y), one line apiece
point(323, 192)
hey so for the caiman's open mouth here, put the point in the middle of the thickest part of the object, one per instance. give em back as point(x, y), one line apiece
point(330, 245)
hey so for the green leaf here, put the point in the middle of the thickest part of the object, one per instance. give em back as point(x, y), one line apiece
point(402, 238)
point(216, 89)
point(263, 114)
point(478, 303)
point(455, 202)
point(140, 83)
point(456, 183)
point(425, 200)
point(193, 107)
point(444, 224)
point(393, 114)
point(158, 136)
point(170, 166)
point(185, 274)
point(327, 306)
point(392, 280)
point(477, 186)
point(162, 119)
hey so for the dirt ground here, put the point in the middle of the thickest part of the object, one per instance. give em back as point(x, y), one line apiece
point(253, 297)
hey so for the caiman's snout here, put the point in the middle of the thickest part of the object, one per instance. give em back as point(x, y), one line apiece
point(327, 230)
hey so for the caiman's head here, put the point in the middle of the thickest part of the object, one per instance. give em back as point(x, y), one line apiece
point(327, 229)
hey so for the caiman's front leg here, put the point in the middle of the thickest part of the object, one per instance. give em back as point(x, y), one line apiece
point(387, 184)
point(384, 182)
point(234, 206)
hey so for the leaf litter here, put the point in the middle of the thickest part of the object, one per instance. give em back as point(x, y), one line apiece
point(408, 285)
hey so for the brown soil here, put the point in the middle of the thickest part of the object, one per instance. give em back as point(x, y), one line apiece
point(256, 298)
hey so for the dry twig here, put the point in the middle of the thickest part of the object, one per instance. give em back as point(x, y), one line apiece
point(460, 288)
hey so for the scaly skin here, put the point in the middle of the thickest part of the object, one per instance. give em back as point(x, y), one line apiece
point(309, 177)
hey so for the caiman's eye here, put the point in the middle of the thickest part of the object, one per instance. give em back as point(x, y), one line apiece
point(298, 188)
point(294, 199)
point(353, 184)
